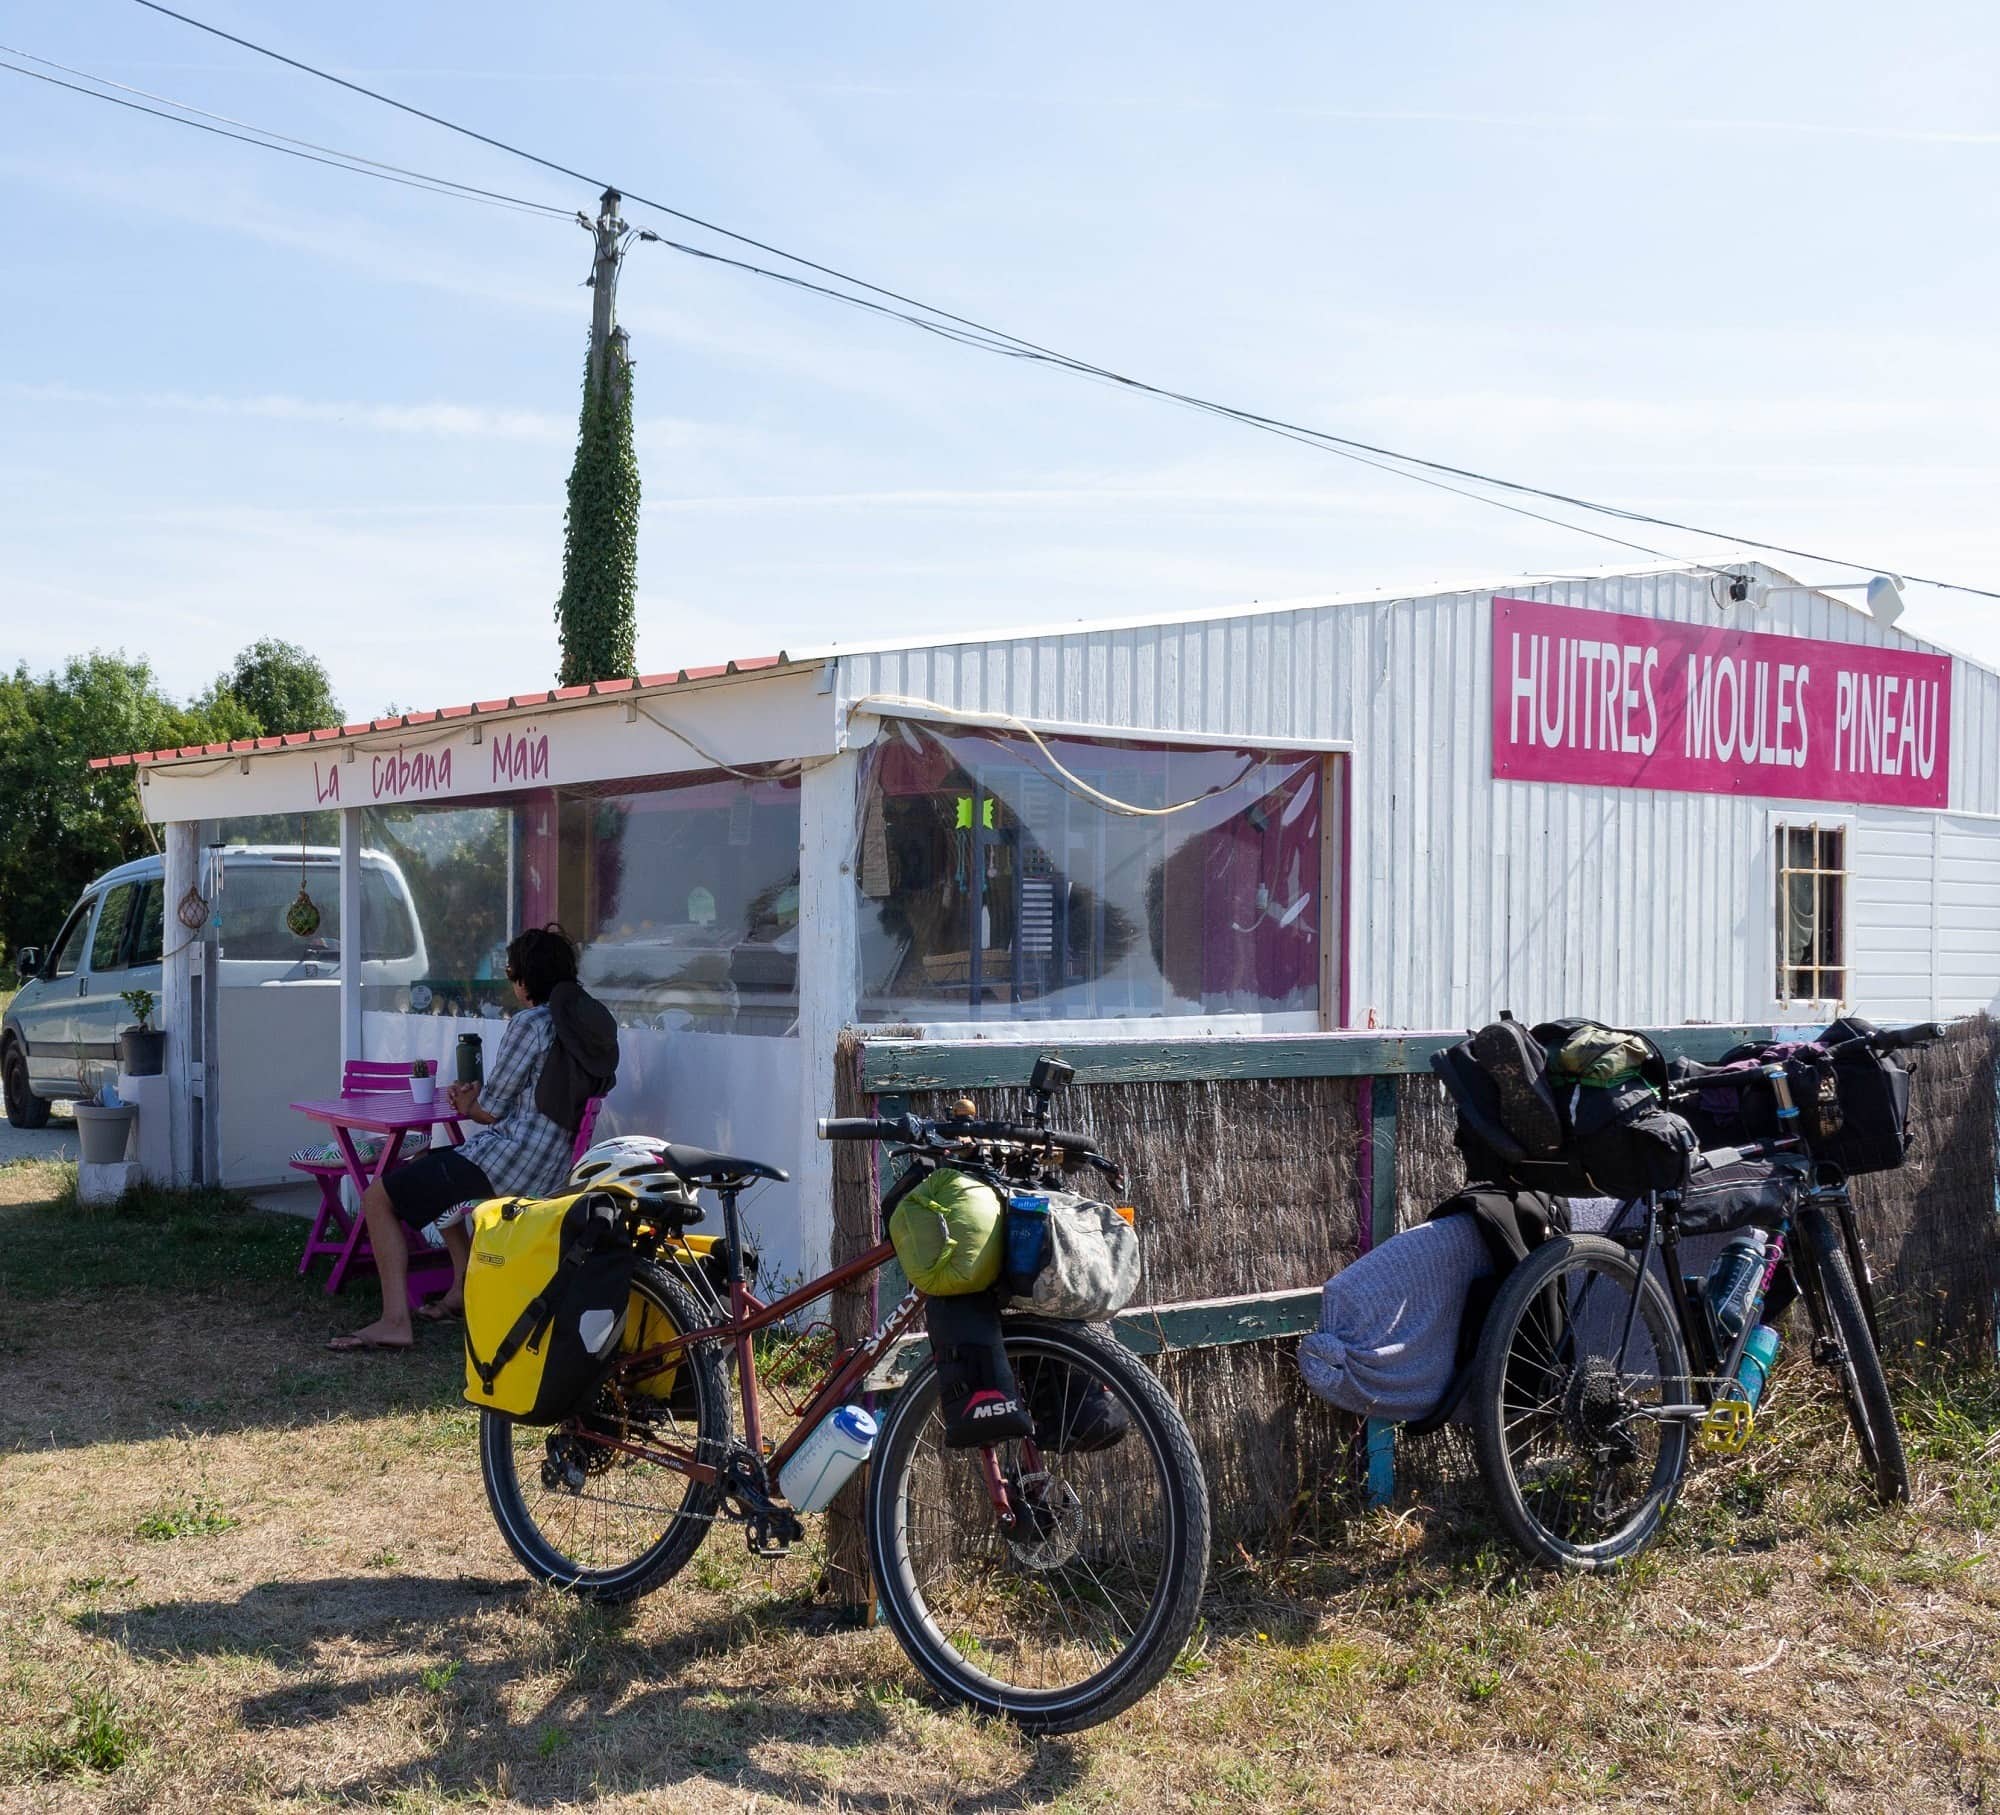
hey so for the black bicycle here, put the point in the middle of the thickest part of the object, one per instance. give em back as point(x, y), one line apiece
point(1599, 1371)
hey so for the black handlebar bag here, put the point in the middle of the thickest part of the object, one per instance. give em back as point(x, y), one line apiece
point(1853, 1102)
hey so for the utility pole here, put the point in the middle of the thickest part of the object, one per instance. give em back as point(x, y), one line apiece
point(608, 229)
point(596, 614)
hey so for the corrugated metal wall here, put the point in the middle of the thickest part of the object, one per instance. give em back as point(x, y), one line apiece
point(1925, 895)
point(1469, 894)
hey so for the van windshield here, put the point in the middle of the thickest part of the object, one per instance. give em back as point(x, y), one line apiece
point(255, 897)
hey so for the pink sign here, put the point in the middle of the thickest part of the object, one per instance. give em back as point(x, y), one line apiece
point(1622, 702)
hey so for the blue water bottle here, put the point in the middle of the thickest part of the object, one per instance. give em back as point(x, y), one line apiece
point(1734, 1279)
point(1027, 1237)
point(1760, 1355)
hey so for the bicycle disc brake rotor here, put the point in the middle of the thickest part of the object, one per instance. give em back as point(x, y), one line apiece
point(1597, 1411)
point(1048, 1527)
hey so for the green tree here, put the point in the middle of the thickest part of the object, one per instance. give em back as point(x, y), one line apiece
point(279, 685)
point(61, 821)
point(597, 614)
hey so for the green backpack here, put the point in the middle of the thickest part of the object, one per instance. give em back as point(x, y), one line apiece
point(949, 1234)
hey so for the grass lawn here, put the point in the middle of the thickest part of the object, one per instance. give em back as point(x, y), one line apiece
point(240, 1572)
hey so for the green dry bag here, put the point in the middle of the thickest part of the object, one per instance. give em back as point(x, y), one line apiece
point(948, 1234)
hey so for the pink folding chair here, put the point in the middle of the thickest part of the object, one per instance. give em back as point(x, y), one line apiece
point(336, 1230)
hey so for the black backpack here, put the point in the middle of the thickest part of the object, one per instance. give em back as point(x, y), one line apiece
point(1519, 1123)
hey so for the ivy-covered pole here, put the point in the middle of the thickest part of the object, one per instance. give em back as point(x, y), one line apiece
point(596, 616)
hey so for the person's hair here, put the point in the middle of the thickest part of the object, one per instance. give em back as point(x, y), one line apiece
point(541, 958)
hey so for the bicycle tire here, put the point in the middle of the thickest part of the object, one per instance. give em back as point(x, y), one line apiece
point(542, 1554)
point(1579, 1395)
point(1172, 1606)
point(1864, 1385)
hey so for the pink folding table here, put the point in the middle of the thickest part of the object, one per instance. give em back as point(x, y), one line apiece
point(343, 1233)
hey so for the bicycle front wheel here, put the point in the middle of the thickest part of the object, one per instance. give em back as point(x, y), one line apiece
point(1863, 1384)
point(1574, 1445)
point(578, 1509)
point(1082, 1605)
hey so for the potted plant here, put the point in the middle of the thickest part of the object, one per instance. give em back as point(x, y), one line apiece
point(103, 1129)
point(423, 1084)
point(141, 1048)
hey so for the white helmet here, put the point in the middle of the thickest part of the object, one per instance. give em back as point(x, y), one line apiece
point(636, 1161)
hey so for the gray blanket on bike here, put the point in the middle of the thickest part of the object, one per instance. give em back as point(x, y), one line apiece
point(1388, 1335)
point(1387, 1340)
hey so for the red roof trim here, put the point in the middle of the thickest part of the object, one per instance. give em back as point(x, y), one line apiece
point(292, 740)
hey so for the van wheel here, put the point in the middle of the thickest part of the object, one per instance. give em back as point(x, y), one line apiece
point(24, 1108)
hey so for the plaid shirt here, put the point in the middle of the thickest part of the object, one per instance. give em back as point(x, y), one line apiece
point(522, 1152)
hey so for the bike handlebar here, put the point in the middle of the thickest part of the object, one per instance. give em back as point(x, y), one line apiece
point(917, 1132)
point(1900, 1039)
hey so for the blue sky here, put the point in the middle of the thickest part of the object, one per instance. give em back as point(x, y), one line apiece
point(1730, 264)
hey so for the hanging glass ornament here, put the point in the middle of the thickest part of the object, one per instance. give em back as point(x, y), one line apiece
point(302, 917)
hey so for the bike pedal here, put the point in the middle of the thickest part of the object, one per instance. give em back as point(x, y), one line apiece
point(1726, 1430)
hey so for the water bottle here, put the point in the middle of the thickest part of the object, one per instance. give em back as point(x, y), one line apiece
point(819, 1467)
point(471, 1059)
point(1027, 1237)
point(1734, 1279)
point(1760, 1355)
point(1781, 1089)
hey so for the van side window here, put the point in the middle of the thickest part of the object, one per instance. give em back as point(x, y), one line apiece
point(107, 949)
point(69, 943)
point(147, 942)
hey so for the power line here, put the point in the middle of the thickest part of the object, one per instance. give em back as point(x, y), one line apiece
point(1047, 355)
point(273, 141)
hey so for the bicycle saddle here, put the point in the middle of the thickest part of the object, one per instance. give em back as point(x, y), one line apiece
point(700, 1167)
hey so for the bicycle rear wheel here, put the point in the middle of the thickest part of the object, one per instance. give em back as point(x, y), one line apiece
point(582, 1514)
point(1580, 1465)
point(1838, 1314)
point(1083, 1606)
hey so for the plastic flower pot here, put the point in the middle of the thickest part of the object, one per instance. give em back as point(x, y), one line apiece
point(103, 1133)
point(423, 1090)
point(142, 1051)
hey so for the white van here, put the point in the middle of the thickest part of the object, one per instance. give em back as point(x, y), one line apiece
point(59, 1037)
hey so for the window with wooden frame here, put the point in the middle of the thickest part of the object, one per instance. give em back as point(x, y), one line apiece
point(1811, 868)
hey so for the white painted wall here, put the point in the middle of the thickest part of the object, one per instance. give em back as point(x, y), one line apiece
point(1926, 906)
point(277, 1044)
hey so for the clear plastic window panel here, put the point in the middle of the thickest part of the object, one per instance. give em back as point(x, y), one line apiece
point(682, 893)
point(997, 880)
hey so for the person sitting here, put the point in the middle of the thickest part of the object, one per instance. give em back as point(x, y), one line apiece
point(554, 1056)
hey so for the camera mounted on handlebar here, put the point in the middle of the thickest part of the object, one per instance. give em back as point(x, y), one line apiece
point(1049, 1076)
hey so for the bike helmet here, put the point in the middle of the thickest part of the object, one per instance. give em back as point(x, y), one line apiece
point(637, 1163)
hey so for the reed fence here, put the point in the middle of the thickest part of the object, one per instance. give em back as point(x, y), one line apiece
point(1263, 1165)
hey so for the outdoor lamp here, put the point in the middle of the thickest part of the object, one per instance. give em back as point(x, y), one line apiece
point(1884, 594)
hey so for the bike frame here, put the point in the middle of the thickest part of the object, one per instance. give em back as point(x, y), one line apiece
point(750, 1314)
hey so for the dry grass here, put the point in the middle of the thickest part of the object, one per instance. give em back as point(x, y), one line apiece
point(243, 1573)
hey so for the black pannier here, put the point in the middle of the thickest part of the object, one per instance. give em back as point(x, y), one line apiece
point(1614, 1139)
point(1853, 1102)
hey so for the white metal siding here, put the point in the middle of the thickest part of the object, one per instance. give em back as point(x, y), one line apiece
point(1471, 894)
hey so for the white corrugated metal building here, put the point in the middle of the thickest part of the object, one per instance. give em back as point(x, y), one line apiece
point(1556, 795)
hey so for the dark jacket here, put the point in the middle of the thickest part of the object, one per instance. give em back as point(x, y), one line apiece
point(583, 1055)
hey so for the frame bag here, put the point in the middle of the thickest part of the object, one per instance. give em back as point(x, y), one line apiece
point(546, 1296)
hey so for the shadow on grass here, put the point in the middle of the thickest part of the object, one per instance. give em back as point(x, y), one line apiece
point(623, 1714)
point(184, 1312)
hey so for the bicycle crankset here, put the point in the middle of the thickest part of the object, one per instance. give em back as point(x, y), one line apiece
point(770, 1530)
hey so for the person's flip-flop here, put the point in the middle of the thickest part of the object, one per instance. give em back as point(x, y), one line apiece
point(438, 1312)
point(355, 1345)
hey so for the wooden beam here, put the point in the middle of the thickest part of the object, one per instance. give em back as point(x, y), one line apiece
point(1207, 1323)
point(987, 1064)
